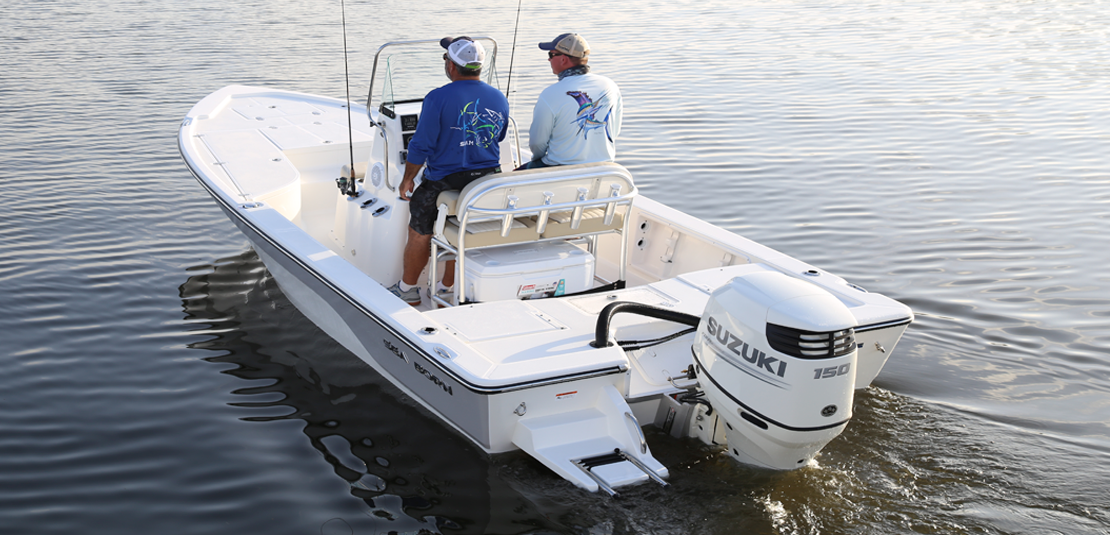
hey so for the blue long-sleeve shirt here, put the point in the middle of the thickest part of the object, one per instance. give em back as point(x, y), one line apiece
point(461, 127)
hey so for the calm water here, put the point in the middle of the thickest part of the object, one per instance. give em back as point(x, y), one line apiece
point(950, 154)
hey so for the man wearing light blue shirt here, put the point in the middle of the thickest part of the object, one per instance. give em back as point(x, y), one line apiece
point(577, 119)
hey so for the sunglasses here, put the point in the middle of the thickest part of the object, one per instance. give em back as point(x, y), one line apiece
point(552, 55)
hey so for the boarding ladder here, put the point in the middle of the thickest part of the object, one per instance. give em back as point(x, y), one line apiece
point(599, 446)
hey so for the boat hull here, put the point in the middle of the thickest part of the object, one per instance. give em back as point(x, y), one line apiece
point(403, 360)
point(507, 374)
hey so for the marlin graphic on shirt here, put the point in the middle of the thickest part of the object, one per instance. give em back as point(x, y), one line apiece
point(587, 114)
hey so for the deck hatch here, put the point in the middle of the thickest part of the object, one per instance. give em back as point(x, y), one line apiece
point(497, 320)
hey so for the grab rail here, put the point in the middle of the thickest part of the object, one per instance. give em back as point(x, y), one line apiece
point(531, 192)
point(518, 158)
point(561, 207)
point(636, 424)
point(506, 227)
point(370, 94)
point(377, 56)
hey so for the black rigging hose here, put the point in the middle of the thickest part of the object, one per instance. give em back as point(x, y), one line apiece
point(696, 398)
point(601, 333)
point(632, 345)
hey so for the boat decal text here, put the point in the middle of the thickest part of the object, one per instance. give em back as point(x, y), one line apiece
point(832, 371)
point(431, 377)
point(396, 350)
point(741, 348)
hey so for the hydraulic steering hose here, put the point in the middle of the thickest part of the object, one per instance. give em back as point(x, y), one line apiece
point(601, 333)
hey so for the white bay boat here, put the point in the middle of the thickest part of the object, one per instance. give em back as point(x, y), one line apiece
point(583, 310)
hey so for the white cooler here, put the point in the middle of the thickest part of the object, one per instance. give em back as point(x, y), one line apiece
point(527, 271)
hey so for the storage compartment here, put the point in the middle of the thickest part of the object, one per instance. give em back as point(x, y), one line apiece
point(527, 271)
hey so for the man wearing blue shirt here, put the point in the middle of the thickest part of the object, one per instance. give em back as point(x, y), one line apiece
point(458, 140)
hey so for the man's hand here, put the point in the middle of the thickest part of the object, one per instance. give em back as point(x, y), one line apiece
point(408, 182)
point(406, 188)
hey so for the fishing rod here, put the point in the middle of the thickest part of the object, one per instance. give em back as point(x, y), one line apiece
point(348, 187)
point(512, 54)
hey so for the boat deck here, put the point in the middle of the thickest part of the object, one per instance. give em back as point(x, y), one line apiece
point(514, 341)
point(260, 142)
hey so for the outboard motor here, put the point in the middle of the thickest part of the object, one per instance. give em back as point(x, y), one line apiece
point(775, 356)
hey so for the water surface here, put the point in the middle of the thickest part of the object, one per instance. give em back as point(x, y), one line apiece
point(949, 154)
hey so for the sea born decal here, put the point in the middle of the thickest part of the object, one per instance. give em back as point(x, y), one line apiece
point(431, 377)
point(744, 351)
point(395, 350)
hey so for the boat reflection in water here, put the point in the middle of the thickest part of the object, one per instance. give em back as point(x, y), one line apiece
point(415, 475)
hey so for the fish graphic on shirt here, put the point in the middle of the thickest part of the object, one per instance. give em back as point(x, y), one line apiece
point(480, 128)
point(587, 113)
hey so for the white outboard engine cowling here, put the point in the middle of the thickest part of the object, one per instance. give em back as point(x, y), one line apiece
point(775, 356)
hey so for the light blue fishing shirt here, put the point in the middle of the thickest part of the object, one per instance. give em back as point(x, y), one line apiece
point(577, 120)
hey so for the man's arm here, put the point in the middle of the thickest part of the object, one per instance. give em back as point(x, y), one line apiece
point(616, 114)
point(422, 145)
point(539, 134)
